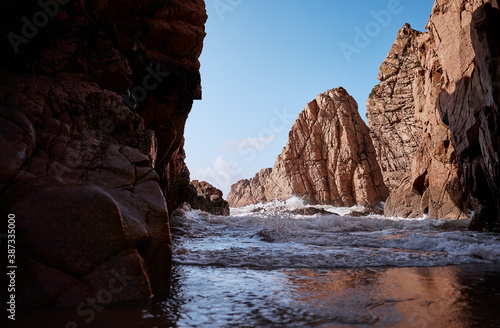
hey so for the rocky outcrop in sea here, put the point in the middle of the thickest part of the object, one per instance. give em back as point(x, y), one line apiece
point(205, 197)
point(329, 159)
point(433, 124)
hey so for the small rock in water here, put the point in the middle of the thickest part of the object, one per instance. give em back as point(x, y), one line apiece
point(266, 235)
point(369, 210)
point(312, 211)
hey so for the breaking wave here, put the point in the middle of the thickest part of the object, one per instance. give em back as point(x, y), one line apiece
point(272, 235)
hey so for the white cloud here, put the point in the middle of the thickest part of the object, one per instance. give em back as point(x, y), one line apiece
point(222, 174)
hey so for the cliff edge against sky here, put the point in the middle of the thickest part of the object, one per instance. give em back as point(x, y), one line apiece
point(433, 123)
point(329, 159)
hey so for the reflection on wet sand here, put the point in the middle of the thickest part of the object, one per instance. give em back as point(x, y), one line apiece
point(451, 296)
point(455, 296)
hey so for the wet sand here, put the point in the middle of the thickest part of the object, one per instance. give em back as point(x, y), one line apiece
point(210, 296)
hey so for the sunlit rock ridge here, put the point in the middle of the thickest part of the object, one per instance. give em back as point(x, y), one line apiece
point(329, 159)
point(434, 124)
point(455, 169)
point(390, 111)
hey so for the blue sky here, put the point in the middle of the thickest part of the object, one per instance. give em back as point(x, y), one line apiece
point(264, 60)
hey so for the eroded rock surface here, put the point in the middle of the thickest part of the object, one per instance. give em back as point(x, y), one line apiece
point(80, 142)
point(413, 145)
point(207, 198)
point(456, 165)
point(329, 159)
point(395, 132)
point(250, 191)
point(464, 40)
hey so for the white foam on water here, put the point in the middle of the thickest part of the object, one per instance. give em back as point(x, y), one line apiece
point(291, 204)
point(271, 236)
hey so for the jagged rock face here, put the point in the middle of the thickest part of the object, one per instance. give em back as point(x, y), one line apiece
point(395, 132)
point(207, 198)
point(329, 158)
point(252, 191)
point(78, 154)
point(456, 164)
point(434, 183)
point(464, 38)
point(429, 182)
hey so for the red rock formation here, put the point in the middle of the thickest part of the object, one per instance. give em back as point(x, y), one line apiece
point(462, 51)
point(391, 109)
point(435, 185)
point(456, 165)
point(207, 198)
point(78, 153)
point(246, 192)
point(423, 167)
point(329, 158)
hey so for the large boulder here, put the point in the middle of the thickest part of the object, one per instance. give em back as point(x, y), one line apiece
point(207, 198)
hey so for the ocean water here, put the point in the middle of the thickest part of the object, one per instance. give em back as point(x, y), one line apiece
point(264, 266)
point(270, 237)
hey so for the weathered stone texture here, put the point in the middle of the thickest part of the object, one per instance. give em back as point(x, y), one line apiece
point(79, 153)
point(329, 158)
point(456, 99)
point(390, 111)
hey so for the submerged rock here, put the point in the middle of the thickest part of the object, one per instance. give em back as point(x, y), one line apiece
point(312, 211)
point(369, 210)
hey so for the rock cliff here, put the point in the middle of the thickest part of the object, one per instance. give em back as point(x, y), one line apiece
point(250, 191)
point(462, 54)
point(456, 97)
point(413, 146)
point(93, 97)
point(395, 132)
point(434, 184)
point(329, 159)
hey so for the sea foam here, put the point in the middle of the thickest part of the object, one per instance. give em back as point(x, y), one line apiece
point(271, 235)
